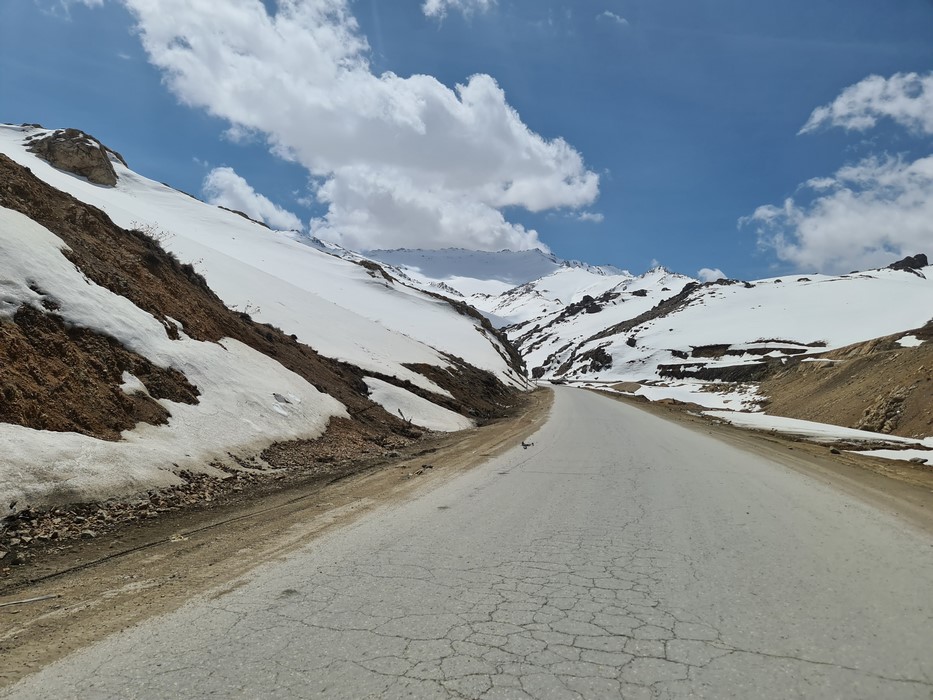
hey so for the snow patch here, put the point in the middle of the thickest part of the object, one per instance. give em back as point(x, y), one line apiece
point(132, 385)
point(820, 432)
point(421, 412)
point(904, 455)
point(909, 341)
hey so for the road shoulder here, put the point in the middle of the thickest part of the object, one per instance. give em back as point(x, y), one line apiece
point(898, 488)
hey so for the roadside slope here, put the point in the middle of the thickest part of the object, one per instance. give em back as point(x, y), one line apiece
point(124, 370)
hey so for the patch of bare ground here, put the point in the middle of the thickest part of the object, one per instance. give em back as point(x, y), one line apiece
point(877, 385)
point(93, 587)
point(630, 387)
point(63, 378)
point(898, 487)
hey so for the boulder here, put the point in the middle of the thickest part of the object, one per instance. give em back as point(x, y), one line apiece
point(75, 152)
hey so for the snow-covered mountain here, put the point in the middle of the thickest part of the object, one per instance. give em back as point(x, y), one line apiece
point(666, 335)
point(706, 330)
point(477, 273)
point(394, 346)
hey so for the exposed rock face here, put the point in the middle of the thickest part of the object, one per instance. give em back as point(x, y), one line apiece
point(911, 262)
point(885, 413)
point(75, 152)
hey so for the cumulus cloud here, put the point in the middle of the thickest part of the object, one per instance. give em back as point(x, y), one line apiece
point(591, 217)
point(867, 215)
point(399, 161)
point(707, 274)
point(224, 187)
point(439, 8)
point(906, 98)
point(613, 17)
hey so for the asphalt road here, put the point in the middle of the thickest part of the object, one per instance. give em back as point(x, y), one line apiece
point(620, 556)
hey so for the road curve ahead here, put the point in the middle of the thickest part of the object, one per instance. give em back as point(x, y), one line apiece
point(620, 556)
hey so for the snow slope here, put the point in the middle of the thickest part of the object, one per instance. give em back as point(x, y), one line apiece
point(549, 334)
point(771, 318)
point(476, 275)
point(410, 407)
point(247, 400)
point(574, 325)
point(239, 406)
point(341, 309)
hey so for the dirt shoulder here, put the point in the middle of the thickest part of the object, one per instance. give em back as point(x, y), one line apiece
point(108, 583)
point(901, 488)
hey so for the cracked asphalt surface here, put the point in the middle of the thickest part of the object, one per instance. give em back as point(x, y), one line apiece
point(619, 556)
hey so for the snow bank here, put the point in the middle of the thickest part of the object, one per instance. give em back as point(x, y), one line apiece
point(903, 455)
point(702, 394)
point(825, 432)
point(419, 411)
point(821, 432)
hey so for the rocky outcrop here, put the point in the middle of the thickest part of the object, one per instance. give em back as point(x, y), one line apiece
point(75, 152)
point(885, 413)
point(910, 263)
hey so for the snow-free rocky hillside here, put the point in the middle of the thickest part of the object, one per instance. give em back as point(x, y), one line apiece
point(124, 364)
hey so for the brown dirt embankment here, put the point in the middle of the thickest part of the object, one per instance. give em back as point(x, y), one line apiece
point(877, 385)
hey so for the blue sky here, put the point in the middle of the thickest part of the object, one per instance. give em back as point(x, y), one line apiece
point(686, 112)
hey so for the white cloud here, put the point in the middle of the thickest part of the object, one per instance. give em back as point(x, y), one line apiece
point(613, 17)
point(707, 274)
point(867, 215)
point(591, 216)
point(439, 8)
point(371, 208)
point(906, 98)
point(224, 187)
point(62, 8)
point(403, 161)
